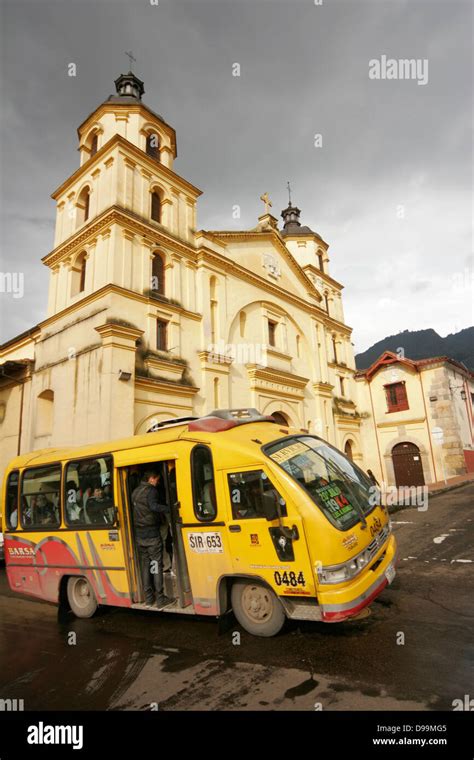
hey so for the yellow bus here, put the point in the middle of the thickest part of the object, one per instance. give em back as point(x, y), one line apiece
point(268, 521)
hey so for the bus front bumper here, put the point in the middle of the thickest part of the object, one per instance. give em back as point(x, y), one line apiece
point(347, 601)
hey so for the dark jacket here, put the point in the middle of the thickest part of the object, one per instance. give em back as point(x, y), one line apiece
point(147, 511)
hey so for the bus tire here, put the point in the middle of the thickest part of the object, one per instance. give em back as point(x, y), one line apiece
point(81, 597)
point(257, 608)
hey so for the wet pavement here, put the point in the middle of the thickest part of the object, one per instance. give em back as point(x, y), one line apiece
point(128, 659)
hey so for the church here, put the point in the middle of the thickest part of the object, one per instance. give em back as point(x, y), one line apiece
point(150, 318)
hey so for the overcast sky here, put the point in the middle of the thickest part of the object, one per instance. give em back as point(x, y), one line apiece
point(390, 189)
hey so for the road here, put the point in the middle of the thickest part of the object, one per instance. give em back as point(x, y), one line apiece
point(126, 659)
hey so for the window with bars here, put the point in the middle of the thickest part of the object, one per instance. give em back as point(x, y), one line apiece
point(397, 399)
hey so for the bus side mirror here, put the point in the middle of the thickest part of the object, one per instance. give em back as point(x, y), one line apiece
point(269, 506)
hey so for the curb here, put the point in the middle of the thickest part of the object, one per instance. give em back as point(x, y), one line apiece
point(447, 488)
point(394, 508)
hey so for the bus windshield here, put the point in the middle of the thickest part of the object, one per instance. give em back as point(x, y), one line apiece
point(339, 488)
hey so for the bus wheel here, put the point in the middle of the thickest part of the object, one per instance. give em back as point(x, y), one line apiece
point(81, 597)
point(257, 608)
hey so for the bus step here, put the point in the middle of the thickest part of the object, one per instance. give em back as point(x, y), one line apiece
point(175, 607)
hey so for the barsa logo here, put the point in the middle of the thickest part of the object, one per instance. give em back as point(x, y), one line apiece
point(42, 734)
point(26, 551)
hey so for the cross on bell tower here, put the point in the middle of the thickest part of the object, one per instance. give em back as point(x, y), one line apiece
point(130, 58)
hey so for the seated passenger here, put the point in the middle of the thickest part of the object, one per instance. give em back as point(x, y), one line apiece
point(99, 508)
point(253, 506)
point(44, 513)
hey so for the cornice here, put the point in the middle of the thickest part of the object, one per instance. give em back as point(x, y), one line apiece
point(161, 386)
point(274, 375)
point(345, 421)
point(164, 365)
point(117, 215)
point(20, 341)
point(398, 421)
point(115, 330)
point(143, 158)
point(323, 389)
point(117, 290)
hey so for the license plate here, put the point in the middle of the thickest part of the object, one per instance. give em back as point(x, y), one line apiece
point(390, 573)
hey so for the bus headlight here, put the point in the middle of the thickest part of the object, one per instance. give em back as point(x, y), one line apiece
point(345, 571)
point(334, 574)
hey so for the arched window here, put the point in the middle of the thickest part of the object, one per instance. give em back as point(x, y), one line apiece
point(153, 146)
point(78, 279)
point(158, 274)
point(94, 144)
point(213, 288)
point(82, 207)
point(155, 207)
point(348, 450)
point(280, 418)
point(321, 261)
point(242, 321)
point(45, 413)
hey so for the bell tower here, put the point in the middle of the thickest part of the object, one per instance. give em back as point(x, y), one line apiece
point(123, 203)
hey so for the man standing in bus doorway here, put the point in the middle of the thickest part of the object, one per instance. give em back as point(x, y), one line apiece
point(147, 510)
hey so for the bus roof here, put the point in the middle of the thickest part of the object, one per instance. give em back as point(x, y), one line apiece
point(261, 431)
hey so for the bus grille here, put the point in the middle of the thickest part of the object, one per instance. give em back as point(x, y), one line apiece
point(378, 542)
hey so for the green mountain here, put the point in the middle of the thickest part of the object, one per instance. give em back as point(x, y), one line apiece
point(422, 344)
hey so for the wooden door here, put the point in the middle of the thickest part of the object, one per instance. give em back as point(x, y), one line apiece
point(407, 465)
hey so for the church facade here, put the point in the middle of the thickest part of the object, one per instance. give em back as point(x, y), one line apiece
point(150, 318)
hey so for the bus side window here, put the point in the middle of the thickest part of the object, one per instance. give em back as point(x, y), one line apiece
point(247, 493)
point(88, 494)
point(40, 489)
point(12, 501)
point(204, 491)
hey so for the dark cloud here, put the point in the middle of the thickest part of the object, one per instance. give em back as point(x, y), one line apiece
point(390, 189)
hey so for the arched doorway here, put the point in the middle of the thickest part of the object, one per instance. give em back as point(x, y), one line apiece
point(280, 418)
point(348, 450)
point(407, 465)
